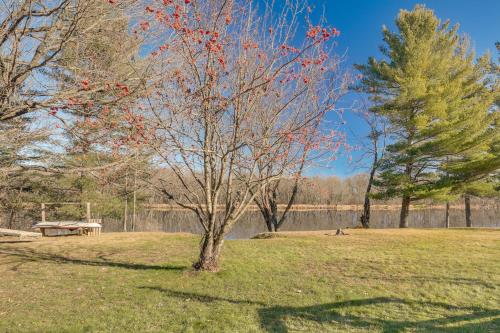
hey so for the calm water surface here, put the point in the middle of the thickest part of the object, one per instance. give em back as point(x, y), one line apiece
point(252, 223)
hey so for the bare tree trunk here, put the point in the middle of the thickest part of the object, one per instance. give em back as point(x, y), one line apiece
point(468, 213)
point(270, 211)
point(365, 217)
point(274, 211)
point(267, 215)
point(135, 192)
point(447, 216)
point(405, 210)
point(134, 200)
point(209, 253)
point(295, 190)
point(11, 219)
point(268, 203)
point(125, 213)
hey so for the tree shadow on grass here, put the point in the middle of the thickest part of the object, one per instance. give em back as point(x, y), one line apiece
point(274, 319)
point(199, 297)
point(340, 314)
point(25, 255)
point(429, 279)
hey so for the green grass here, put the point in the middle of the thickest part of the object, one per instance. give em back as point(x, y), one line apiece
point(367, 281)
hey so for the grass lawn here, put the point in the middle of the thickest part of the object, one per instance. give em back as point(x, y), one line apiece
point(368, 281)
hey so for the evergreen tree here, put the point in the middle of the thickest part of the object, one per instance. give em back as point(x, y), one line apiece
point(435, 98)
point(98, 156)
point(476, 171)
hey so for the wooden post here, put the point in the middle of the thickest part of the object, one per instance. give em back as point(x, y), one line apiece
point(43, 213)
point(447, 216)
point(88, 212)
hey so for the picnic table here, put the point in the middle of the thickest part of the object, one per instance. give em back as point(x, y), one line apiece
point(85, 228)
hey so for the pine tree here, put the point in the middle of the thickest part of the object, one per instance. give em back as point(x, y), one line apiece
point(104, 66)
point(434, 96)
point(476, 171)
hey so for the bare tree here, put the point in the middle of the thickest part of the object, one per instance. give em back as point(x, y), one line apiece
point(221, 109)
point(72, 66)
point(32, 37)
point(315, 145)
point(64, 60)
point(63, 55)
point(373, 149)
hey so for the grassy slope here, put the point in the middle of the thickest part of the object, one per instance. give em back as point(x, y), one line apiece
point(368, 281)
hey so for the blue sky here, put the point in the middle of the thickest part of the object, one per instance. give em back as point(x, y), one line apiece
point(360, 23)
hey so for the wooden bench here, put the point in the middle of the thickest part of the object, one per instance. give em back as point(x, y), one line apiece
point(91, 228)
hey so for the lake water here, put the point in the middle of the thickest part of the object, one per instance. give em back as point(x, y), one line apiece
point(252, 223)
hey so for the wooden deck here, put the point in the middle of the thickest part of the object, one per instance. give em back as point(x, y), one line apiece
point(85, 228)
point(19, 233)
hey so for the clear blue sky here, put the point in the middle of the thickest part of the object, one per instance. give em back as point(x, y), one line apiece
point(360, 23)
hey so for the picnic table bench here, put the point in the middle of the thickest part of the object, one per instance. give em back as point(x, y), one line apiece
point(91, 228)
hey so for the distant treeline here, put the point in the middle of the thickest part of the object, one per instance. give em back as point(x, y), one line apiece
point(328, 190)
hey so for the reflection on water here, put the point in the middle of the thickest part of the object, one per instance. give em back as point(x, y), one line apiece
point(252, 223)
